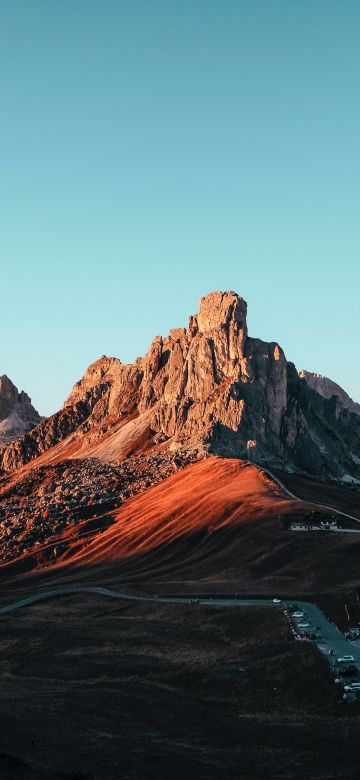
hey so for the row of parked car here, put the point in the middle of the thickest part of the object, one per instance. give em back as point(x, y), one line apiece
point(344, 666)
point(303, 629)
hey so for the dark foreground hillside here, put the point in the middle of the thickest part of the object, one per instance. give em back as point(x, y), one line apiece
point(102, 690)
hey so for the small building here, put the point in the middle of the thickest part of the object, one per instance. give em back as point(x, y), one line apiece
point(299, 525)
point(329, 525)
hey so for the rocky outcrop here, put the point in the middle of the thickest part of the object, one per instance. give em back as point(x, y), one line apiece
point(17, 415)
point(106, 392)
point(209, 386)
point(327, 388)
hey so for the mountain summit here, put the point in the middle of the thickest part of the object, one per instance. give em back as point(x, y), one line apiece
point(17, 415)
point(327, 388)
point(207, 388)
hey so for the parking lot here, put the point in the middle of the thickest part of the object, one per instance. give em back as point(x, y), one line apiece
point(343, 655)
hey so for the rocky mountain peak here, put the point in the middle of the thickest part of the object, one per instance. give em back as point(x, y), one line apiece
point(207, 388)
point(96, 375)
point(8, 391)
point(218, 309)
point(17, 415)
point(328, 388)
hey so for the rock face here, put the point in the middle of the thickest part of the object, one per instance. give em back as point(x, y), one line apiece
point(17, 415)
point(327, 388)
point(208, 386)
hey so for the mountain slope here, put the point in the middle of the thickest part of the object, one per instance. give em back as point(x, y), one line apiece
point(206, 497)
point(327, 388)
point(191, 521)
point(217, 526)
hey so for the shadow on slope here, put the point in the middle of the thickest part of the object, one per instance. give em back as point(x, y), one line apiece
point(216, 527)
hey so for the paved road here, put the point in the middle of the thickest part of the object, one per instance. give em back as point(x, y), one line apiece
point(329, 636)
point(315, 529)
point(329, 639)
point(296, 498)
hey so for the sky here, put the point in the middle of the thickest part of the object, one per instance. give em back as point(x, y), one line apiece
point(151, 152)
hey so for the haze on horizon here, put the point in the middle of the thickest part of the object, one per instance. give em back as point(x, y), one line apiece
point(153, 153)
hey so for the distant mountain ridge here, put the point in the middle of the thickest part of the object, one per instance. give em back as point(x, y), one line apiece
point(327, 388)
point(209, 387)
point(17, 414)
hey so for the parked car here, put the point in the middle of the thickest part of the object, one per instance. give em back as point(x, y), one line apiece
point(276, 601)
point(346, 659)
point(304, 625)
point(352, 634)
point(347, 671)
point(298, 614)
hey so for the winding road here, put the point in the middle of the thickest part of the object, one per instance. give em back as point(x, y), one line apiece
point(329, 639)
point(304, 501)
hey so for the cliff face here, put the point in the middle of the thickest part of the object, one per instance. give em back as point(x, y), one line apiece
point(213, 380)
point(17, 415)
point(208, 386)
point(327, 388)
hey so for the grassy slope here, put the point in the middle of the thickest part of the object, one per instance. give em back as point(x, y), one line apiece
point(137, 691)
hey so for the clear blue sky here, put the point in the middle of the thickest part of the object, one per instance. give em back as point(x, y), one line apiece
point(154, 151)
